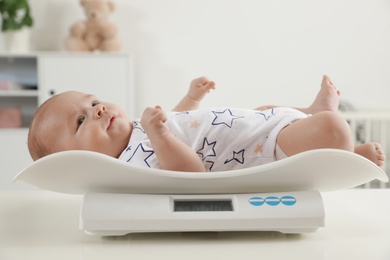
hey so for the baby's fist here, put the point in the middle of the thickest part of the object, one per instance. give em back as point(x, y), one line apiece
point(199, 87)
point(153, 121)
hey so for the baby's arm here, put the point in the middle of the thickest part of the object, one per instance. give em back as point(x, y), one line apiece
point(171, 152)
point(198, 89)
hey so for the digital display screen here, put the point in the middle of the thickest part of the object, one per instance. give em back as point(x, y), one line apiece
point(202, 205)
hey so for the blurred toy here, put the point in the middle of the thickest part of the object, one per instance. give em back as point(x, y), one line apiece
point(97, 32)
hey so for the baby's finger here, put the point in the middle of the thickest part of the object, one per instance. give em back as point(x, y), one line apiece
point(161, 114)
point(210, 85)
point(203, 80)
point(148, 110)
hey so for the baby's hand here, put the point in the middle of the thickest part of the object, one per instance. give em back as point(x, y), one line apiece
point(200, 87)
point(153, 121)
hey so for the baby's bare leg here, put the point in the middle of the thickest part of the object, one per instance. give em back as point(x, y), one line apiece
point(322, 130)
point(325, 130)
point(327, 99)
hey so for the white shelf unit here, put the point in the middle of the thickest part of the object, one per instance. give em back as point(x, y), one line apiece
point(107, 75)
point(22, 71)
point(19, 93)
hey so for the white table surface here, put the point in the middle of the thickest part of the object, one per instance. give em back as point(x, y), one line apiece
point(44, 225)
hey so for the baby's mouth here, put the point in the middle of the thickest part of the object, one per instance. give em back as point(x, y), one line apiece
point(112, 118)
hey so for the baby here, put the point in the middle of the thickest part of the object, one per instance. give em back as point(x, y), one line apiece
point(192, 139)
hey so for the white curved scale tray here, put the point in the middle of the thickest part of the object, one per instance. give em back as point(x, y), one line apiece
point(83, 171)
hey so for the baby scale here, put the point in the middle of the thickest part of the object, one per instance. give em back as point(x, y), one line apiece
point(121, 198)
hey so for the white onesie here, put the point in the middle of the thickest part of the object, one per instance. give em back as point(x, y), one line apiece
point(224, 138)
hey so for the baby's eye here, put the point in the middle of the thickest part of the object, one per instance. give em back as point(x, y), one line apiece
point(80, 120)
point(95, 102)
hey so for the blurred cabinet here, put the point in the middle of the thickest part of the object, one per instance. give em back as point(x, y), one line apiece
point(26, 81)
point(18, 86)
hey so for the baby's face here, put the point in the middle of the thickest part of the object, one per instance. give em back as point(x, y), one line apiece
point(79, 121)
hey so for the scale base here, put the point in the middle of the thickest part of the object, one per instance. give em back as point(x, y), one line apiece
point(111, 214)
point(114, 233)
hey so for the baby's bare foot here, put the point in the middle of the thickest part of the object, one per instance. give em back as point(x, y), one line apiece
point(372, 151)
point(327, 98)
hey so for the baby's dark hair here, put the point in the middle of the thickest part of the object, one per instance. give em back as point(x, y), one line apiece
point(38, 145)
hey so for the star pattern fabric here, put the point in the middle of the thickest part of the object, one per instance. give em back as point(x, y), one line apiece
point(225, 117)
point(237, 156)
point(209, 165)
point(258, 149)
point(223, 138)
point(207, 149)
point(267, 114)
point(137, 125)
point(144, 154)
point(195, 124)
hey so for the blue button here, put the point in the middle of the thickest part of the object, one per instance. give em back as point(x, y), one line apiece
point(272, 200)
point(288, 200)
point(256, 201)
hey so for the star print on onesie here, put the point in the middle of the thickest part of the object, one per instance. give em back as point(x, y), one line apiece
point(267, 114)
point(207, 149)
point(142, 154)
point(223, 138)
point(137, 125)
point(225, 117)
point(195, 124)
point(237, 156)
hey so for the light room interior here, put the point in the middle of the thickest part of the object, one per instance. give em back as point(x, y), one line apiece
point(258, 53)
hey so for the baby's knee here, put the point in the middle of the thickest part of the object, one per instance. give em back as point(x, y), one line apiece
point(334, 127)
point(333, 122)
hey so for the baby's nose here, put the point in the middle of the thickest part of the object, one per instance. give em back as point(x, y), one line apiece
point(99, 110)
